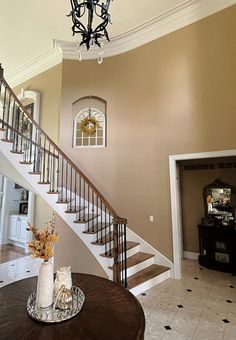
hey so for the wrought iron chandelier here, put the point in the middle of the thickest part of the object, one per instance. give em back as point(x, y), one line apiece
point(92, 33)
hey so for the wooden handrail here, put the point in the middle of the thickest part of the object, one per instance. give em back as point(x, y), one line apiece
point(27, 139)
point(117, 219)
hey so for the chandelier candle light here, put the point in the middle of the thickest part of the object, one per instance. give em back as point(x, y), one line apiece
point(92, 34)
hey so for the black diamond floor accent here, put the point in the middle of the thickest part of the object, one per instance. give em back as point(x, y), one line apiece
point(195, 278)
point(231, 286)
point(180, 306)
point(226, 321)
point(1, 281)
point(12, 265)
point(189, 290)
point(229, 301)
point(28, 271)
point(143, 294)
point(167, 327)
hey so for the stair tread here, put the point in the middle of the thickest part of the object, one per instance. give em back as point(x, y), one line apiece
point(7, 140)
point(75, 210)
point(136, 259)
point(86, 218)
point(17, 152)
point(62, 201)
point(96, 228)
point(129, 245)
point(145, 275)
point(25, 162)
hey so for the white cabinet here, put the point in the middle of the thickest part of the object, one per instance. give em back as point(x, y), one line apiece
point(17, 230)
point(12, 235)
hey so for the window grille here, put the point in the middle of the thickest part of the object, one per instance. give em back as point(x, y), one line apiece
point(89, 128)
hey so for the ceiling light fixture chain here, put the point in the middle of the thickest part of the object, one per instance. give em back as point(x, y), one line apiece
point(91, 35)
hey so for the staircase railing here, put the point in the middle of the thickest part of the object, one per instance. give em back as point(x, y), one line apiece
point(64, 178)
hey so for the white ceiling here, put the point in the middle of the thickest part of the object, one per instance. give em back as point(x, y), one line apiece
point(28, 27)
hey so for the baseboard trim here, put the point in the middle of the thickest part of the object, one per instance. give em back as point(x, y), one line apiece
point(191, 255)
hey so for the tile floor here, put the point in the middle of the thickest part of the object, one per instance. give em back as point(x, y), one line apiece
point(200, 306)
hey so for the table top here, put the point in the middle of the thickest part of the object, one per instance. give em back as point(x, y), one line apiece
point(110, 312)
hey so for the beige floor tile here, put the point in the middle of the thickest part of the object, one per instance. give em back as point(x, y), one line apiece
point(148, 336)
point(173, 335)
point(184, 327)
point(213, 315)
point(208, 334)
point(195, 302)
point(156, 325)
point(230, 330)
point(211, 325)
point(217, 304)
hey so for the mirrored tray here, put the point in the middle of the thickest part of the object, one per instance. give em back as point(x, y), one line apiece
point(51, 315)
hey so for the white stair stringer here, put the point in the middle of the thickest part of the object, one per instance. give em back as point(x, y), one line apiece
point(78, 228)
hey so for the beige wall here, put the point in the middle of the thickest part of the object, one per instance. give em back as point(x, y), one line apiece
point(192, 184)
point(172, 96)
point(48, 84)
point(71, 251)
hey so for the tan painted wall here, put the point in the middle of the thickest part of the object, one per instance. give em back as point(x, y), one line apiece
point(172, 96)
point(48, 84)
point(71, 251)
point(192, 184)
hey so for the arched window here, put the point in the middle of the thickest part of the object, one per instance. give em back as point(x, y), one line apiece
point(89, 128)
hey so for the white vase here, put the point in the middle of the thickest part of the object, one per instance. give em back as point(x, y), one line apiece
point(44, 295)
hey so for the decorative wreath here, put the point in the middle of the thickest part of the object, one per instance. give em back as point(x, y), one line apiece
point(89, 125)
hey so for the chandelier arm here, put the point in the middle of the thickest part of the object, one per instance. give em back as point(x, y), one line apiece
point(101, 27)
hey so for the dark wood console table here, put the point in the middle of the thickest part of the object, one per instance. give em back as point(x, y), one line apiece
point(110, 312)
point(217, 246)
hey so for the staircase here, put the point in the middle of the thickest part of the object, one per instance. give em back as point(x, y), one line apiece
point(123, 255)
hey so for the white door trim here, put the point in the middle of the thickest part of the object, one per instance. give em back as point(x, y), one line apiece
point(175, 200)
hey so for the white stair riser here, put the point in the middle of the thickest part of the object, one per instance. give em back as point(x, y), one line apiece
point(133, 251)
point(140, 266)
point(150, 283)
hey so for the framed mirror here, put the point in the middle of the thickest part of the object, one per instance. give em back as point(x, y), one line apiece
point(219, 201)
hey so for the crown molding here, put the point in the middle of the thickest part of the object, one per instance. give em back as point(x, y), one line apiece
point(36, 66)
point(188, 12)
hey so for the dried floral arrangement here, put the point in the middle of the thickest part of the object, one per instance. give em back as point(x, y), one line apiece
point(43, 241)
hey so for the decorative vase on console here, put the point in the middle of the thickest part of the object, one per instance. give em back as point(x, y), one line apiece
point(42, 246)
point(45, 285)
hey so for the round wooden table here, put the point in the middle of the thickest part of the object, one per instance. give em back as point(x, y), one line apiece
point(110, 312)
